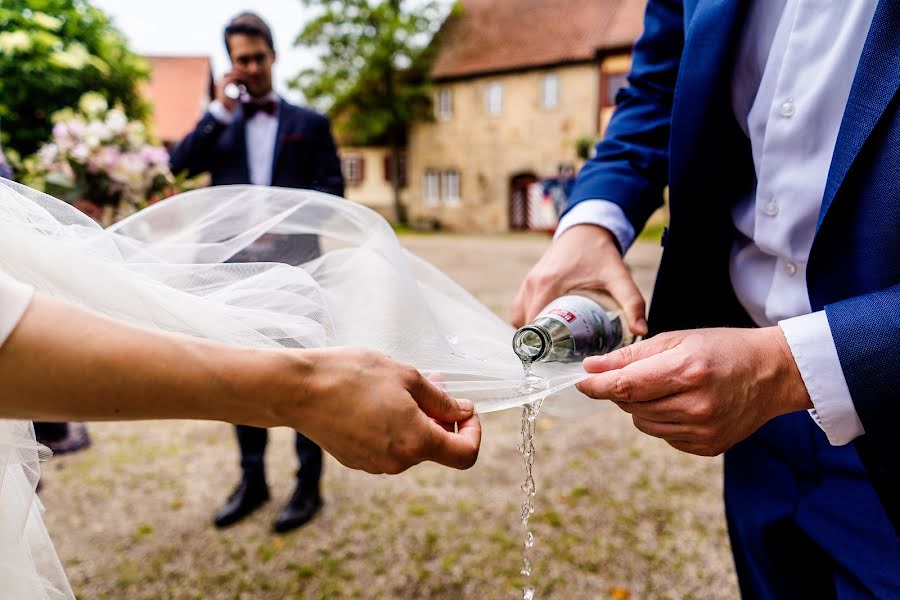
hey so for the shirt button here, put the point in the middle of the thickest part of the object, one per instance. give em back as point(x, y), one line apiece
point(790, 268)
point(771, 208)
point(788, 108)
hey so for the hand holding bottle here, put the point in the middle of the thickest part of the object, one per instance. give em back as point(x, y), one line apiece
point(585, 257)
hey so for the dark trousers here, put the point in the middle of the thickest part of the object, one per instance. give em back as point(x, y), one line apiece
point(804, 519)
point(253, 440)
point(50, 432)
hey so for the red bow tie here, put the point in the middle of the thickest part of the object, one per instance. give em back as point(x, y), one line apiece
point(251, 108)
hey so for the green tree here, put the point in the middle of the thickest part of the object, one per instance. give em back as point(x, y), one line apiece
point(53, 51)
point(373, 76)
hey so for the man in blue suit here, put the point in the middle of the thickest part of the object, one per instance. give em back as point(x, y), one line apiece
point(776, 126)
point(250, 135)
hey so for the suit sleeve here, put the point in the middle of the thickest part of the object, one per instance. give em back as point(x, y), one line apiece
point(631, 166)
point(327, 176)
point(196, 152)
point(866, 331)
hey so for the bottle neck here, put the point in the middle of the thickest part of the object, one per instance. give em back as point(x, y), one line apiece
point(532, 343)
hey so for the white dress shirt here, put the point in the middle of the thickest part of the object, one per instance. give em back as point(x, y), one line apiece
point(794, 70)
point(14, 299)
point(261, 130)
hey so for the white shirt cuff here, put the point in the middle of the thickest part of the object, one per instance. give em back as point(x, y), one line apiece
point(14, 299)
point(220, 113)
point(603, 213)
point(812, 345)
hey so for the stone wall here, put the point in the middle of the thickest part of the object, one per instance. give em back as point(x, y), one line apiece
point(489, 150)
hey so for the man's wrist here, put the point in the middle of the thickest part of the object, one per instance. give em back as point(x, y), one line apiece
point(220, 112)
point(792, 390)
point(601, 234)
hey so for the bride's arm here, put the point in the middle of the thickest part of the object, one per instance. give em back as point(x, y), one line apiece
point(62, 363)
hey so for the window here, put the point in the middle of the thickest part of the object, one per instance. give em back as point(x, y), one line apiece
point(445, 104)
point(612, 83)
point(432, 187)
point(451, 186)
point(494, 98)
point(388, 161)
point(354, 168)
point(550, 91)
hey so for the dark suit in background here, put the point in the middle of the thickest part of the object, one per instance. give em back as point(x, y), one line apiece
point(305, 156)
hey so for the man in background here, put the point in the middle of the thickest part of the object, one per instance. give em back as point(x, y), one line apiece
point(250, 135)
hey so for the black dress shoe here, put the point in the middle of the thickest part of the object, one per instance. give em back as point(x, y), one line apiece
point(251, 493)
point(75, 438)
point(303, 506)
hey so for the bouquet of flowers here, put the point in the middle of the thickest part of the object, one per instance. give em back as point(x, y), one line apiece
point(100, 162)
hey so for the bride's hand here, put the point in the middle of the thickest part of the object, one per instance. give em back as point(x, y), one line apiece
point(373, 413)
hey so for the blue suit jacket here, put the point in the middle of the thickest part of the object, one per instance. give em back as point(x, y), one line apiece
point(305, 153)
point(674, 126)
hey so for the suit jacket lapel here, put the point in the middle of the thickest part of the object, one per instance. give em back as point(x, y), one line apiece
point(874, 87)
point(710, 42)
point(240, 141)
point(283, 108)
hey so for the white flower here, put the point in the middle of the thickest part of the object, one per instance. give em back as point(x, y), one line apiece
point(12, 42)
point(92, 104)
point(61, 130)
point(73, 57)
point(81, 152)
point(129, 170)
point(116, 121)
point(46, 21)
point(48, 154)
point(136, 134)
point(97, 132)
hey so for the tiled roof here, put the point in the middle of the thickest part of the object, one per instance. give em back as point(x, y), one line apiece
point(489, 36)
point(179, 89)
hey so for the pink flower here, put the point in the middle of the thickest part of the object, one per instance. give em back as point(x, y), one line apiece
point(60, 130)
point(81, 153)
point(105, 160)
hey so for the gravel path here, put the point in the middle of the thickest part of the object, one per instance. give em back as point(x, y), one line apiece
point(619, 515)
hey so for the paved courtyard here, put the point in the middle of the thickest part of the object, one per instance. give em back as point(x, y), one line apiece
point(619, 515)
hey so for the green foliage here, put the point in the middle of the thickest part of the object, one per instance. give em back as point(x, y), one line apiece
point(53, 51)
point(376, 55)
point(373, 78)
point(584, 146)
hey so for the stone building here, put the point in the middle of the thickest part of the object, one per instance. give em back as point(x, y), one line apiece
point(518, 83)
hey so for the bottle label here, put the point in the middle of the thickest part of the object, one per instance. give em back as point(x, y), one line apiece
point(585, 319)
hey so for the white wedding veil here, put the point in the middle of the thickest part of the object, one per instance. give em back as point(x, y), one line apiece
point(257, 267)
point(270, 267)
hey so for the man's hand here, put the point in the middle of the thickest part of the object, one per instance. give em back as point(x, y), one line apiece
point(585, 257)
point(230, 104)
point(377, 415)
point(702, 391)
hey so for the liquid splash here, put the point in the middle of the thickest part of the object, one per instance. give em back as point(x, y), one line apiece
point(526, 448)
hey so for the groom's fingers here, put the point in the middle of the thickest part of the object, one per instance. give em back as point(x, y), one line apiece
point(457, 450)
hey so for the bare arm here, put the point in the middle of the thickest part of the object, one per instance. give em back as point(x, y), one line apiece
point(65, 363)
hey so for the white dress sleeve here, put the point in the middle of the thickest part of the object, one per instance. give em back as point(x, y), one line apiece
point(14, 299)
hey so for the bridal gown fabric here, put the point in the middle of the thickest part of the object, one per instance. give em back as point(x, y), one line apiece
point(261, 267)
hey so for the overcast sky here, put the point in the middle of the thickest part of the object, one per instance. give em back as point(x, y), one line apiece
point(195, 27)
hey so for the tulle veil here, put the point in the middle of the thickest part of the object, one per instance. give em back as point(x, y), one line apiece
point(257, 267)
